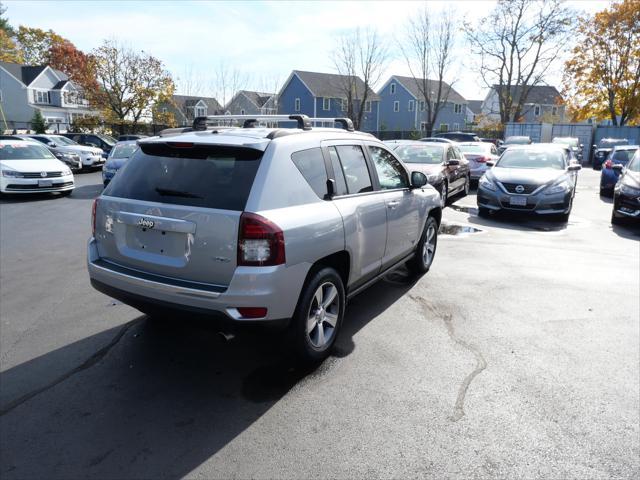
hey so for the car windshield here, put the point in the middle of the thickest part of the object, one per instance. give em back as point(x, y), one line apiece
point(24, 151)
point(474, 148)
point(62, 141)
point(572, 142)
point(623, 156)
point(634, 165)
point(431, 154)
point(124, 151)
point(532, 158)
point(612, 142)
point(108, 140)
point(517, 141)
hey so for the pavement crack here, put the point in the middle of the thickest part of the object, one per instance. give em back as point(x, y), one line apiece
point(481, 363)
point(88, 363)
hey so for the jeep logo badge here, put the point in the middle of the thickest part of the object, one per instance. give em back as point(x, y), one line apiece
point(144, 223)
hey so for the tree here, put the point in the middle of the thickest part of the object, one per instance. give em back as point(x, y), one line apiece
point(602, 76)
point(4, 23)
point(36, 44)
point(9, 51)
point(227, 82)
point(130, 83)
point(38, 123)
point(80, 67)
point(517, 43)
point(427, 49)
point(359, 55)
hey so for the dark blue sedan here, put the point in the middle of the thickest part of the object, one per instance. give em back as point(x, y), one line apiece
point(119, 154)
point(619, 155)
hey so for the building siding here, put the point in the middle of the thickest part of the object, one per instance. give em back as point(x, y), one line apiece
point(296, 89)
point(14, 99)
point(241, 102)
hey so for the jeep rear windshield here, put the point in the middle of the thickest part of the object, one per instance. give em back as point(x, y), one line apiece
point(196, 175)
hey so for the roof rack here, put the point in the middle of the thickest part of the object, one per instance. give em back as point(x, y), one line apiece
point(250, 121)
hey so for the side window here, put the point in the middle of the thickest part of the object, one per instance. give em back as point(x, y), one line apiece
point(77, 138)
point(311, 165)
point(390, 173)
point(450, 154)
point(354, 166)
point(494, 150)
point(341, 184)
point(92, 141)
point(457, 154)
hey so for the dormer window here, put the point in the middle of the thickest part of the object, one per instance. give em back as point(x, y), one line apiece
point(201, 111)
point(41, 96)
point(536, 110)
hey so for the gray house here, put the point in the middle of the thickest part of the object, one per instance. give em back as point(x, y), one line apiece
point(25, 89)
point(543, 104)
point(186, 107)
point(246, 102)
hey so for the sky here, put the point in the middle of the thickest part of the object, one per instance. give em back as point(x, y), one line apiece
point(263, 41)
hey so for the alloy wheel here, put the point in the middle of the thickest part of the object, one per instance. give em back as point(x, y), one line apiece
point(323, 315)
point(429, 247)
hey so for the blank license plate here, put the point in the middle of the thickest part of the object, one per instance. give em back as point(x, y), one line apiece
point(45, 183)
point(520, 201)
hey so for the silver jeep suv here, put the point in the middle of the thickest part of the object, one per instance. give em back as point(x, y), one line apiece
point(261, 225)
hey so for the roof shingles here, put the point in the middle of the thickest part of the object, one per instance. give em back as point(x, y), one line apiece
point(332, 85)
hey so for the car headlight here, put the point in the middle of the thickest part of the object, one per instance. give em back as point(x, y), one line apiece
point(66, 172)
point(629, 190)
point(487, 183)
point(559, 187)
point(12, 173)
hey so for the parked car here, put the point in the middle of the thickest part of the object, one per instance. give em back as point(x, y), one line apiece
point(72, 160)
point(98, 140)
point(511, 141)
point(261, 225)
point(28, 167)
point(529, 178)
point(478, 154)
point(496, 141)
point(436, 140)
point(626, 194)
point(120, 153)
point(444, 165)
point(459, 136)
point(603, 148)
point(124, 138)
point(571, 142)
point(90, 157)
point(620, 155)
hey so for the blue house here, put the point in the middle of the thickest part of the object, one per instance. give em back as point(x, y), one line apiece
point(324, 95)
point(402, 106)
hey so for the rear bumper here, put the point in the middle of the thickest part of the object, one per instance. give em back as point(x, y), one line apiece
point(275, 288)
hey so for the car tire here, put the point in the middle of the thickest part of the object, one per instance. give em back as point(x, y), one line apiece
point(467, 186)
point(318, 315)
point(483, 212)
point(444, 193)
point(615, 220)
point(421, 262)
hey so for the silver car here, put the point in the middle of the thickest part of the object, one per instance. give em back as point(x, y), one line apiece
point(478, 154)
point(537, 178)
point(261, 225)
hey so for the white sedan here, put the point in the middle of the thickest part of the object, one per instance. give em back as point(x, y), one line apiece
point(26, 167)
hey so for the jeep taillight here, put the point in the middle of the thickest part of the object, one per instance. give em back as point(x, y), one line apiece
point(93, 217)
point(260, 242)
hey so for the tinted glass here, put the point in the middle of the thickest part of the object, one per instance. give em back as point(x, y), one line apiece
point(341, 184)
point(611, 142)
point(623, 156)
point(390, 173)
point(524, 158)
point(355, 168)
point(123, 151)
point(634, 165)
point(108, 140)
point(62, 141)
point(201, 176)
point(431, 154)
point(24, 151)
point(311, 165)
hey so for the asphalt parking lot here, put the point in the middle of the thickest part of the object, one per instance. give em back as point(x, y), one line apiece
point(516, 356)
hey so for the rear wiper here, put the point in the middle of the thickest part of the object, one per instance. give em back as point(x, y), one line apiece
point(165, 192)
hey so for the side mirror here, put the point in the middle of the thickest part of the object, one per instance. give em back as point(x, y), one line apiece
point(594, 146)
point(490, 163)
point(617, 167)
point(452, 163)
point(581, 146)
point(418, 179)
point(574, 167)
point(51, 144)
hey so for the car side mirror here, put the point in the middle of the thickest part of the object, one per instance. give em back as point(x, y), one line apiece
point(574, 168)
point(51, 144)
point(490, 163)
point(452, 163)
point(418, 179)
point(581, 145)
point(594, 146)
point(617, 167)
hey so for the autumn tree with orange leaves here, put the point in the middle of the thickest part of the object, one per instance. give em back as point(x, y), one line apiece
point(602, 77)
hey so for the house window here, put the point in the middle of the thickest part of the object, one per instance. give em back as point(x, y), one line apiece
point(444, 127)
point(296, 105)
point(367, 106)
point(457, 108)
point(201, 111)
point(343, 104)
point(411, 104)
point(422, 105)
point(396, 106)
point(242, 111)
point(41, 96)
point(423, 126)
point(554, 111)
point(536, 110)
point(456, 126)
point(326, 103)
point(392, 89)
